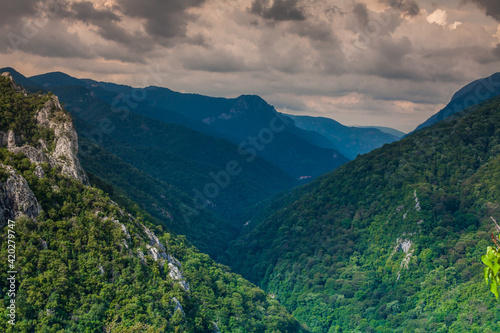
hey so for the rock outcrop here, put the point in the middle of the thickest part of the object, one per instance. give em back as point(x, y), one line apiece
point(16, 197)
point(65, 152)
point(65, 146)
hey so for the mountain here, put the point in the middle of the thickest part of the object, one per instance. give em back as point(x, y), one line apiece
point(170, 160)
point(177, 155)
point(82, 263)
point(247, 121)
point(470, 95)
point(55, 79)
point(349, 141)
point(22, 80)
point(388, 130)
point(392, 241)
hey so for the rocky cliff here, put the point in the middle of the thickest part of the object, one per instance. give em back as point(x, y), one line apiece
point(63, 151)
point(16, 197)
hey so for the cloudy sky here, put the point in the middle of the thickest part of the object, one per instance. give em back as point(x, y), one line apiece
point(367, 62)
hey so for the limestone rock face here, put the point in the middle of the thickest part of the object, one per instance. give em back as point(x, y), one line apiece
point(16, 197)
point(65, 152)
point(66, 141)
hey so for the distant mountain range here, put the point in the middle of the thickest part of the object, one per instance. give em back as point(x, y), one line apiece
point(298, 149)
point(247, 121)
point(350, 141)
point(387, 130)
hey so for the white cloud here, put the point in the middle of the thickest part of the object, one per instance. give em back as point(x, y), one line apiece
point(439, 16)
point(455, 25)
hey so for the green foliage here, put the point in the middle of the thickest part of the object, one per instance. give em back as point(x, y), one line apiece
point(492, 261)
point(61, 288)
point(168, 205)
point(79, 272)
point(392, 241)
point(17, 113)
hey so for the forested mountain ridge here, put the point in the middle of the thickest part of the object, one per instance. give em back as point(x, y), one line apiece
point(84, 264)
point(169, 206)
point(247, 121)
point(472, 94)
point(390, 242)
point(168, 169)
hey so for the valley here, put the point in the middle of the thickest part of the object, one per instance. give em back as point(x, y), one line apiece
point(390, 241)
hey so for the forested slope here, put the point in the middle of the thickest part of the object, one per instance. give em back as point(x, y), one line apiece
point(82, 263)
point(390, 242)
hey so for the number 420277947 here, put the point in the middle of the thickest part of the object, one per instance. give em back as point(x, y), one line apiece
point(11, 241)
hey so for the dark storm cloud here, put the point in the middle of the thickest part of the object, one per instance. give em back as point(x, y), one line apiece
point(41, 28)
point(165, 20)
point(408, 7)
point(490, 7)
point(14, 10)
point(52, 40)
point(279, 10)
point(107, 23)
point(85, 12)
point(314, 31)
point(361, 13)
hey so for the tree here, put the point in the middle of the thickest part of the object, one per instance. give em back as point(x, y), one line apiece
point(492, 261)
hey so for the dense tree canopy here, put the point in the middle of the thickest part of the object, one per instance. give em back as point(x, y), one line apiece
point(390, 242)
point(86, 265)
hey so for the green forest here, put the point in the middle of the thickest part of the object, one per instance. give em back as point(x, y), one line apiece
point(392, 241)
point(398, 240)
point(17, 113)
point(86, 265)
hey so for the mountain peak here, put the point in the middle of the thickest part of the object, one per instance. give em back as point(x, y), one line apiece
point(56, 79)
point(472, 94)
point(20, 79)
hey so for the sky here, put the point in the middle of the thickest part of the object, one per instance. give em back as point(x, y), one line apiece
point(369, 62)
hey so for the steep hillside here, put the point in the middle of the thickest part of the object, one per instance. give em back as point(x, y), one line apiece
point(390, 242)
point(247, 121)
point(470, 95)
point(179, 156)
point(349, 141)
point(127, 186)
point(84, 264)
point(172, 153)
